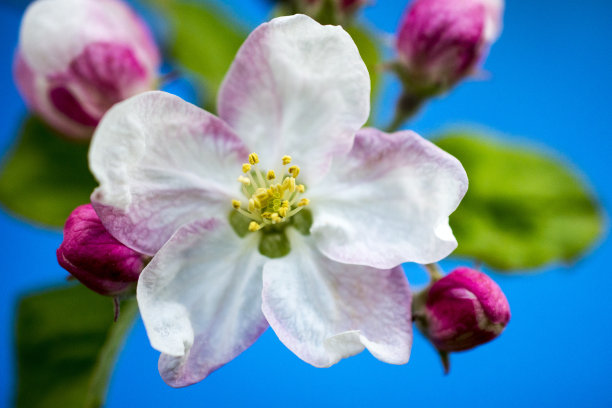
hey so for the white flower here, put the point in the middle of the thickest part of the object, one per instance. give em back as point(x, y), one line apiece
point(169, 172)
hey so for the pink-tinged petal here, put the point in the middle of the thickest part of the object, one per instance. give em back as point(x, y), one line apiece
point(200, 300)
point(324, 311)
point(54, 32)
point(161, 163)
point(388, 202)
point(297, 88)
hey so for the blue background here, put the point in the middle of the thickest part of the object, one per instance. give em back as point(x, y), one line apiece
point(549, 86)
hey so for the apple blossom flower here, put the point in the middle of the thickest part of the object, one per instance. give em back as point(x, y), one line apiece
point(76, 58)
point(462, 310)
point(95, 258)
point(440, 42)
point(279, 212)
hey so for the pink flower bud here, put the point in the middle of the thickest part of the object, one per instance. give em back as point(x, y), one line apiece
point(95, 258)
point(77, 58)
point(462, 310)
point(441, 41)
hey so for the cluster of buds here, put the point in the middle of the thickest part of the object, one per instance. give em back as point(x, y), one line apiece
point(440, 42)
point(327, 11)
point(460, 311)
point(96, 258)
point(77, 58)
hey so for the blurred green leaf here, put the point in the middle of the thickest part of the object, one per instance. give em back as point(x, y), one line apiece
point(67, 345)
point(370, 50)
point(205, 41)
point(523, 209)
point(44, 177)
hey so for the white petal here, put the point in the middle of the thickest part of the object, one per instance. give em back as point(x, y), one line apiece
point(200, 299)
point(324, 311)
point(162, 162)
point(54, 32)
point(388, 202)
point(297, 88)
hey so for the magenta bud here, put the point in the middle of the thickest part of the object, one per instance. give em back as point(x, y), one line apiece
point(95, 258)
point(462, 310)
point(77, 58)
point(440, 42)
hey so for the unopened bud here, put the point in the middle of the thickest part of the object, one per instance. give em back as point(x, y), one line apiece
point(462, 310)
point(440, 42)
point(95, 258)
point(77, 58)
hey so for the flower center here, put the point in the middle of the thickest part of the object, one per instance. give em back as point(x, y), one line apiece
point(269, 199)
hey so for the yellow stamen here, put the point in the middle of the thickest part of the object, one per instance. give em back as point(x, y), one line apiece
point(289, 184)
point(270, 200)
point(253, 158)
point(294, 171)
point(261, 194)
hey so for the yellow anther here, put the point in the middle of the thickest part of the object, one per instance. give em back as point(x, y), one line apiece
point(303, 202)
point(294, 171)
point(253, 226)
point(244, 180)
point(256, 202)
point(251, 205)
point(283, 211)
point(286, 160)
point(285, 204)
point(275, 189)
point(236, 204)
point(275, 218)
point(300, 188)
point(261, 194)
point(266, 215)
point(253, 158)
point(246, 167)
point(289, 184)
point(271, 175)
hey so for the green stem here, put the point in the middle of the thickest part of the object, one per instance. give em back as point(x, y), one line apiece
point(435, 272)
point(407, 106)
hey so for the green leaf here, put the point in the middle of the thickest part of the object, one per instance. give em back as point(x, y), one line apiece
point(67, 345)
point(44, 177)
point(370, 51)
point(205, 41)
point(523, 209)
